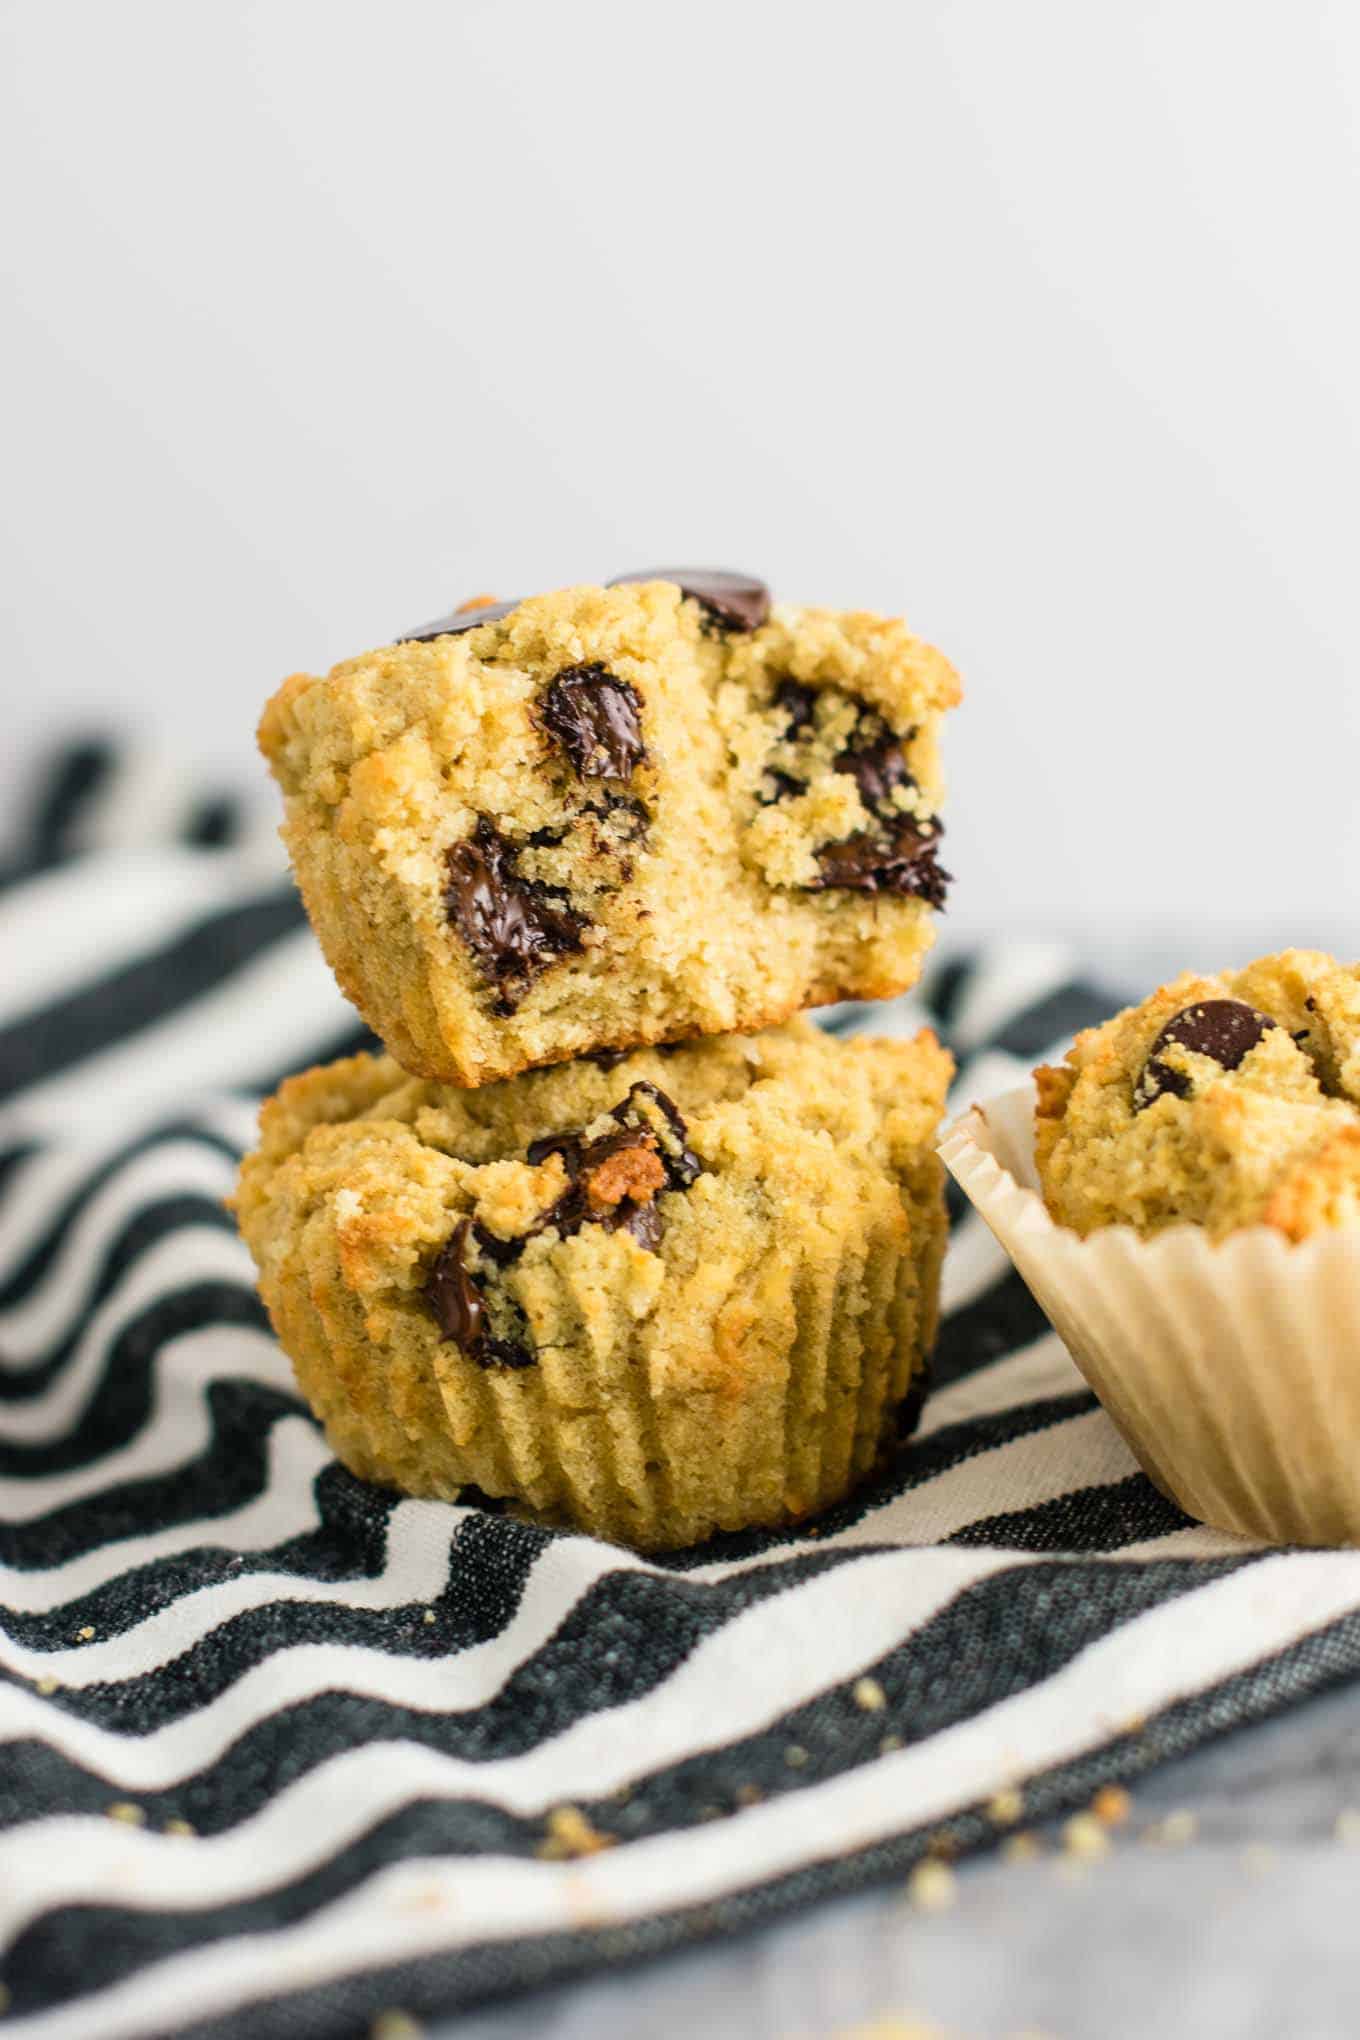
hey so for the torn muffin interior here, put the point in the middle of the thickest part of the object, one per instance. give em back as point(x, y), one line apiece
point(616, 815)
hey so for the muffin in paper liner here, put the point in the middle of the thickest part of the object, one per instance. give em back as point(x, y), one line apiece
point(682, 1293)
point(1231, 1368)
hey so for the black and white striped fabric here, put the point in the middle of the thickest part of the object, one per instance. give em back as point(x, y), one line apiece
point(366, 1708)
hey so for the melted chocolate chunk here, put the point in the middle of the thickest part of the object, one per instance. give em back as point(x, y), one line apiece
point(732, 601)
point(799, 703)
point(644, 1222)
point(597, 720)
point(587, 1163)
point(877, 769)
point(455, 1296)
point(682, 1164)
point(514, 926)
point(902, 863)
point(780, 786)
point(457, 622)
point(1223, 1029)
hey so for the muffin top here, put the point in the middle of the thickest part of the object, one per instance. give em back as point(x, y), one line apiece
point(1220, 1101)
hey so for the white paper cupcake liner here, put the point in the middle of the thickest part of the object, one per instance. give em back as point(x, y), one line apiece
point(1232, 1369)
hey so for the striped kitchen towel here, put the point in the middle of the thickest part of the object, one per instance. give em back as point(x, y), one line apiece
point(279, 1750)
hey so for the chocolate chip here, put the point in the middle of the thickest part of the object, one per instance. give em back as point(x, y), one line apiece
point(602, 1192)
point(683, 1166)
point(877, 769)
point(457, 622)
point(902, 863)
point(778, 786)
point(799, 703)
point(644, 1222)
point(596, 718)
point(600, 1184)
point(514, 926)
point(733, 601)
point(459, 1307)
point(1225, 1030)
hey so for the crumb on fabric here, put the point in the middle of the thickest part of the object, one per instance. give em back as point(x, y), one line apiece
point(1173, 1830)
point(1084, 1838)
point(1111, 1806)
point(570, 1834)
point(1006, 1807)
point(396, 2025)
point(932, 1886)
point(1022, 1848)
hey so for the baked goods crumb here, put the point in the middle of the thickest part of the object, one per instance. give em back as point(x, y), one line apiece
point(1084, 1838)
point(1006, 1807)
point(1111, 1806)
point(932, 1886)
point(396, 2025)
point(1173, 1831)
point(570, 1834)
point(1022, 1848)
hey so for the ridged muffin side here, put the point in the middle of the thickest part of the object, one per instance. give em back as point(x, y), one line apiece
point(681, 1293)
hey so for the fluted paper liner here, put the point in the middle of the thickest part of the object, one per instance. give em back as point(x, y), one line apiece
point(1232, 1369)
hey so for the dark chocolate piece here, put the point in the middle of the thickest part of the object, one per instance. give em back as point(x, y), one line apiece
point(1223, 1029)
point(877, 769)
point(457, 622)
point(664, 1136)
point(798, 702)
point(682, 1164)
point(514, 926)
point(733, 601)
point(455, 1297)
point(597, 720)
point(780, 786)
point(902, 863)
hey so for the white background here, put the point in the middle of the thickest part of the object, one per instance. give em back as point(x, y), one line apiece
point(1037, 322)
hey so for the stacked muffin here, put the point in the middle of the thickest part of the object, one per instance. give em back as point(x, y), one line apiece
point(609, 1231)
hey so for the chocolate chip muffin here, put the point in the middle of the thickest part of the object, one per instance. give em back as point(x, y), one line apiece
point(1220, 1101)
point(652, 1296)
point(615, 815)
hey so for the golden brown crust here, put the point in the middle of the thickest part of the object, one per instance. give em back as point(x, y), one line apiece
point(743, 1371)
point(1321, 1191)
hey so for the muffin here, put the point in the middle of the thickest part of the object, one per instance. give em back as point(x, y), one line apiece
point(653, 1296)
point(1219, 1102)
point(613, 816)
point(1182, 1195)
